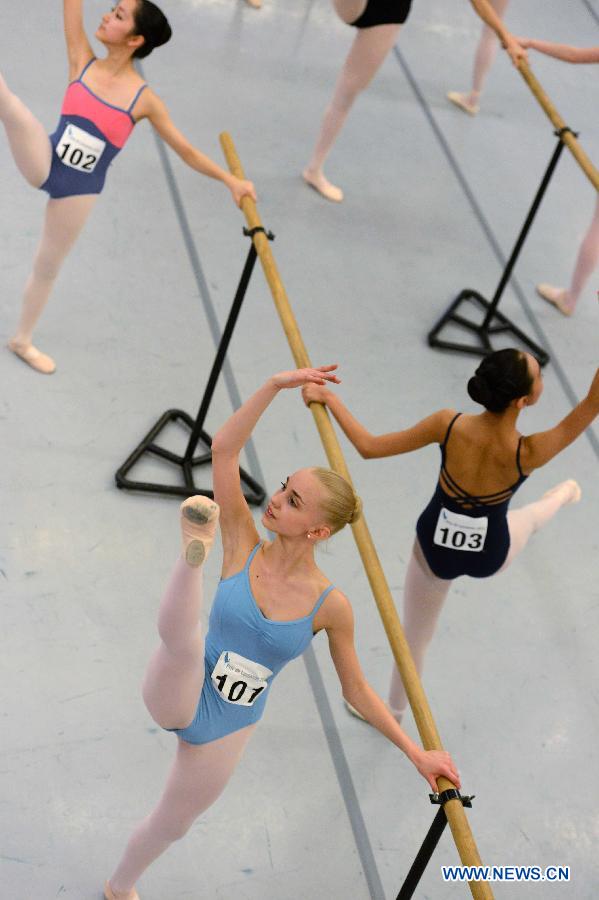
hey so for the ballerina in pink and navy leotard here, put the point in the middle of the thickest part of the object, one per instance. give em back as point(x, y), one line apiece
point(104, 100)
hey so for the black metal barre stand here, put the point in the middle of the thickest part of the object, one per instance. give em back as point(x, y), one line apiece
point(254, 493)
point(431, 840)
point(495, 322)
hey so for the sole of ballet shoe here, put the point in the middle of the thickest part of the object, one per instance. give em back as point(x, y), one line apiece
point(200, 511)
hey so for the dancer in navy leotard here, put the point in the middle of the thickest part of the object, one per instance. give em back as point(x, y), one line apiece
point(378, 23)
point(271, 601)
point(466, 529)
point(103, 101)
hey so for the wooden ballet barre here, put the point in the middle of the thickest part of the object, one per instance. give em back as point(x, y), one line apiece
point(558, 123)
point(458, 822)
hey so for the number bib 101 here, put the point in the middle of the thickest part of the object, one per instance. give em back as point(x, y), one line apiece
point(79, 150)
point(239, 680)
point(456, 531)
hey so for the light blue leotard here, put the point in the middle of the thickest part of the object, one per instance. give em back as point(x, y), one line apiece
point(244, 652)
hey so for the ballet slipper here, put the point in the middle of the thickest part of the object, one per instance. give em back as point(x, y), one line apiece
point(354, 712)
point(255, 4)
point(199, 521)
point(556, 296)
point(323, 186)
point(39, 361)
point(462, 102)
point(573, 488)
point(109, 894)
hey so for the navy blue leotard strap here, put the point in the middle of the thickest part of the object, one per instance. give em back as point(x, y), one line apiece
point(522, 475)
point(447, 433)
point(86, 67)
point(136, 98)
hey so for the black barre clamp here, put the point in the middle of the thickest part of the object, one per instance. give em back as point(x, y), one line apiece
point(250, 232)
point(562, 131)
point(451, 794)
point(494, 322)
point(254, 493)
point(431, 840)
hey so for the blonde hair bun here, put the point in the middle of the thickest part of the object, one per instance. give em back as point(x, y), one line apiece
point(340, 504)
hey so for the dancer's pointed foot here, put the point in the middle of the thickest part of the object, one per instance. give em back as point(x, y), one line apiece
point(321, 184)
point(255, 4)
point(353, 711)
point(110, 894)
point(570, 490)
point(39, 361)
point(199, 521)
point(558, 297)
point(463, 102)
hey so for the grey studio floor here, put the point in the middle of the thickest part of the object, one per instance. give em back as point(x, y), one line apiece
point(321, 806)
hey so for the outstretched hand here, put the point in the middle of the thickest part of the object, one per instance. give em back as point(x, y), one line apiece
point(299, 377)
point(433, 763)
point(240, 189)
point(525, 43)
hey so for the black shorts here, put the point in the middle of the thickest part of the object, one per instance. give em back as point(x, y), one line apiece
point(383, 12)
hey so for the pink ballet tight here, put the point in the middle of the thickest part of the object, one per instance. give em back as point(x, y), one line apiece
point(424, 593)
point(486, 51)
point(587, 260)
point(367, 54)
point(63, 222)
point(171, 691)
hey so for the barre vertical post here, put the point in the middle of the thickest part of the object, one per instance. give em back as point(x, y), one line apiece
point(493, 321)
point(253, 492)
point(429, 844)
point(458, 821)
point(525, 228)
point(224, 344)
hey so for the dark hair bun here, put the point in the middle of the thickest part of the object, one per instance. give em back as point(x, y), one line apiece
point(501, 377)
point(479, 390)
point(152, 25)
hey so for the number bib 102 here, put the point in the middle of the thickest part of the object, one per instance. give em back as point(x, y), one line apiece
point(79, 150)
point(239, 680)
point(456, 531)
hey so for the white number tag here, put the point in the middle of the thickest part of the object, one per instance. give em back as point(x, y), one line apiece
point(79, 150)
point(459, 532)
point(239, 680)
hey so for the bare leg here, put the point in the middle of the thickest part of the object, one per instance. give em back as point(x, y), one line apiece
point(62, 225)
point(175, 675)
point(588, 256)
point(525, 521)
point(368, 51)
point(198, 776)
point(27, 137)
point(423, 599)
point(486, 51)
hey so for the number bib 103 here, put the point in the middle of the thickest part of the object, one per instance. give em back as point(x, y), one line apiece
point(79, 150)
point(239, 680)
point(456, 531)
